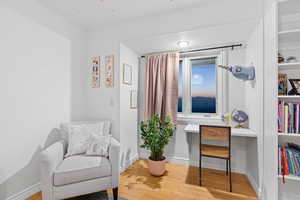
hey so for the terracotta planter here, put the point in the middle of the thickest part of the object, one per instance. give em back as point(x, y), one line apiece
point(157, 168)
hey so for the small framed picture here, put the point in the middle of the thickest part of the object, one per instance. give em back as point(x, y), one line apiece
point(133, 99)
point(127, 74)
point(282, 84)
point(295, 83)
point(109, 71)
point(95, 72)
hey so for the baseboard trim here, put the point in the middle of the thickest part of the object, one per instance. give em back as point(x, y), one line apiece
point(254, 185)
point(186, 161)
point(28, 192)
point(129, 163)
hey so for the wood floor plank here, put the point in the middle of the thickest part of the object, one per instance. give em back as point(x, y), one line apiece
point(181, 182)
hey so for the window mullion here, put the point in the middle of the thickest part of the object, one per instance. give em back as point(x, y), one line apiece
point(187, 85)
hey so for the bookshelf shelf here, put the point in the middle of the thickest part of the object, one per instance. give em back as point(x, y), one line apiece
point(290, 177)
point(291, 31)
point(289, 36)
point(295, 65)
point(288, 43)
point(289, 97)
point(289, 134)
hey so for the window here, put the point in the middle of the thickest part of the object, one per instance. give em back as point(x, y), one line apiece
point(180, 86)
point(201, 86)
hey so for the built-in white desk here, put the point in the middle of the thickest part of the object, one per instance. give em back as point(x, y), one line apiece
point(238, 132)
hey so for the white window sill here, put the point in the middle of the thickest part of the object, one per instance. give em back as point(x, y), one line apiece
point(200, 118)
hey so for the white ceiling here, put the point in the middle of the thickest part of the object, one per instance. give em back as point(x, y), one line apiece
point(198, 38)
point(89, 13)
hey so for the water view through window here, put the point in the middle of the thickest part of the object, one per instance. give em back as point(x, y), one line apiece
point(203, 86)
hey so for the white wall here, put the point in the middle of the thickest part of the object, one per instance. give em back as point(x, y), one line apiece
point(104, 103)
point(128, 116)
point(184, 147)
point(107, 102)
point(270, 141)
point(254, 106)
point(32, 10)
point(39, 54)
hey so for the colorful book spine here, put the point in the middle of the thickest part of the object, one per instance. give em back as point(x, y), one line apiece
point(297, 119)
point(288, 117)
point(288, 161)
point(281, 116)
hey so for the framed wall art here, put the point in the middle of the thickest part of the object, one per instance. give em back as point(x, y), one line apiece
point(282, 84)
point(127, 74)
point(295, 83)
point(109, 71)
point(95, 72)
point(133, 99)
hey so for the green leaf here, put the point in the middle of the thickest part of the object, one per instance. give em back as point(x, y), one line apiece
point(156, 134)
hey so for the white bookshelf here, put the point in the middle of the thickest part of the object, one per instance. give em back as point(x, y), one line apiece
point(289, 97)
point(290, 177)
point(290, 32)
point(289, 45)
point(294, 65)
point(289, 134)
point(289, 36)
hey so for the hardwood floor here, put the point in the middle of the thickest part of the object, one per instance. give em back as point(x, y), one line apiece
point(180, 182)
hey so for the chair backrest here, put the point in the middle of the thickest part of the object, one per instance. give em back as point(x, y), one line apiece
point(218, 133)
point(64, 127)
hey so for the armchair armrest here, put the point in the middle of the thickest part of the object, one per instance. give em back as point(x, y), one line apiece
point(114, 157)
point(50, 158)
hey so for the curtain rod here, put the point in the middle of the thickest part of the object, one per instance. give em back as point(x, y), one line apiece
point(211, 48)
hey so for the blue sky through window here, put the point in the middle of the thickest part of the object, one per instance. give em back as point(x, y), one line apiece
point(203, 81)
point(203, 86)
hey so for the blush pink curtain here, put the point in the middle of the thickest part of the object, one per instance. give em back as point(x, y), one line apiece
point(161, 86)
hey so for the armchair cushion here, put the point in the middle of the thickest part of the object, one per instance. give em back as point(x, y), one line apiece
point(80, 168)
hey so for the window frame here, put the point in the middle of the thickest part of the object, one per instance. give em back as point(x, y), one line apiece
point(221, 88)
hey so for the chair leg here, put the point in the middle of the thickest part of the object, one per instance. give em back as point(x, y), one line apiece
point(200, 170)
point(230, 175)
point(115, 193)
point(226, 167)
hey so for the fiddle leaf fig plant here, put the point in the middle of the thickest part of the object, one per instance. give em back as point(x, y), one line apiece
point(156, 134)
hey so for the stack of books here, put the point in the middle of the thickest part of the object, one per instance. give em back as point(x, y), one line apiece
point(289, 160)
point(288, 117)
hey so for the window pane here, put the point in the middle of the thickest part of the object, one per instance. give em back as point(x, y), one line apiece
point(203, 85)
point(180, 85)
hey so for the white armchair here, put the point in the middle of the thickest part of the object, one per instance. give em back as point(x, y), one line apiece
point(78, 175)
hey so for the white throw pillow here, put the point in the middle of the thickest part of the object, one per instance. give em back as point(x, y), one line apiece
point(98, 145)
point(77, 137)
point(79, 133)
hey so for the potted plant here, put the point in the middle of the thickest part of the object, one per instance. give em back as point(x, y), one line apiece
point(156, 134)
